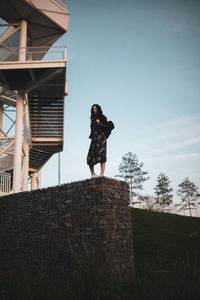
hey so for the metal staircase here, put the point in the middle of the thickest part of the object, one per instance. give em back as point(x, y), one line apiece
point(32, 80)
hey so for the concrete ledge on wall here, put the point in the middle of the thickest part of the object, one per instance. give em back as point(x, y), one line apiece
point(53, 229)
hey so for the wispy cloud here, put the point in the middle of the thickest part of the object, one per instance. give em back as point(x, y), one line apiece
point(168, 158)
point(169, 138)
point(183, 18)
point(191, 141)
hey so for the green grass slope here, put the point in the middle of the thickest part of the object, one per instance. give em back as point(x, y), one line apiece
point(163, 236)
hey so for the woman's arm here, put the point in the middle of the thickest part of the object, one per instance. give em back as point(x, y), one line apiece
point(103, 121)
point(90, 131)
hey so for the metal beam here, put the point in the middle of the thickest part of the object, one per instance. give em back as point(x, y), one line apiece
point(32, 75)
point(8, 98)
point(1, 130)
point(8, 33)
point(5, 149)
point(7, 138)
point(8, 117)
point(40, 139)
point(46, 77)
point(10, 153)
point(9, 24)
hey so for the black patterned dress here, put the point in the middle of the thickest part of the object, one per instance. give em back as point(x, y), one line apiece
point(97, 150)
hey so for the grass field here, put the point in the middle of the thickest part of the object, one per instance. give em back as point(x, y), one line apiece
point(164, 237)
point(167, 256)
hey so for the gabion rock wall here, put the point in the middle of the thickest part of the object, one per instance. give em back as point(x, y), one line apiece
point(52, 231)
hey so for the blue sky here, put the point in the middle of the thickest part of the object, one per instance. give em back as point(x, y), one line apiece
point(140, 61)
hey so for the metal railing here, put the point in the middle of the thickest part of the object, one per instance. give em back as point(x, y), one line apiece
point(61, 3)
point(5, 183)
point(14, 54)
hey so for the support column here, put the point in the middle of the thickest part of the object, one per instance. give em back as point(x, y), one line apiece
point(33, 181)
point(17, 172)
point(58, 168)
point(26, 149)
point(39, 179)
point(1, 122)
point(18, 144)
point(23, 40)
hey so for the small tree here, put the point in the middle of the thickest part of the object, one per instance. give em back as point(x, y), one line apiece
point(131, 171)
point(188, 192)
point(148, 201)
point(163, 191)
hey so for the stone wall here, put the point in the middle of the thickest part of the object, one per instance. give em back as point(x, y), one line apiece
point(52, 230)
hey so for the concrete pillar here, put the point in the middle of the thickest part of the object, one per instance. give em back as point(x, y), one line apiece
point(23, 40)
point(39, 179)
point(58, 168)
point(33, 181)
point(17, 172)
point(1, 122)
point(26, 149)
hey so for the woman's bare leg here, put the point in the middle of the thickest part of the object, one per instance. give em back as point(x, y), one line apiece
point(103, 165)
point(92, 170)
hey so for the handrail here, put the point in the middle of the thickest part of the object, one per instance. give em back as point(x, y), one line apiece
point(34, 53)
point(5, 183)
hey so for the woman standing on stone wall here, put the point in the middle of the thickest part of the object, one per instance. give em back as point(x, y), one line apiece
point(100, 130)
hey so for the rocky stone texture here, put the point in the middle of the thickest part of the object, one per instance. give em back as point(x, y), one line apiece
point(52, 230)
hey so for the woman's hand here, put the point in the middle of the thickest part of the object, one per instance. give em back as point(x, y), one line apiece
point(98, 121)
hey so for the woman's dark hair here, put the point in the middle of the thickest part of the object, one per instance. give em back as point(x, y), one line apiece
point(99, 112)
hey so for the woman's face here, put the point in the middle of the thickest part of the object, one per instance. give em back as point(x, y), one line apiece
point(95, 109)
